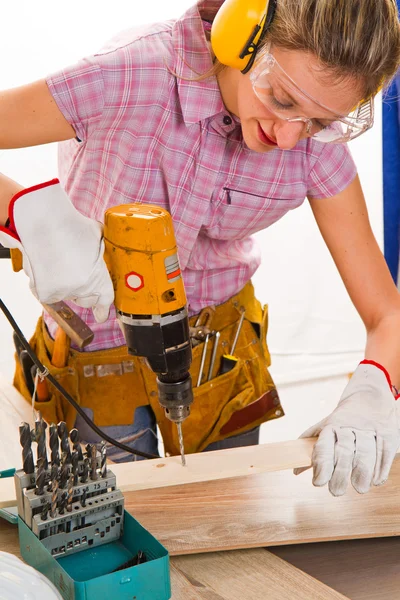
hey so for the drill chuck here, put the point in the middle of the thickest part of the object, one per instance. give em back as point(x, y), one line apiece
point(175, 397)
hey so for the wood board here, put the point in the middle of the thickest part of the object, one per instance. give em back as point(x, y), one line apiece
point(247, 575)
point(164, 472)
point(359, 569)
point(268, 509)
point(193, 578)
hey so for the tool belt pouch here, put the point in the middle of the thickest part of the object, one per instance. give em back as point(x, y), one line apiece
point(236, 401)
point(108, 382)
point(55, 409)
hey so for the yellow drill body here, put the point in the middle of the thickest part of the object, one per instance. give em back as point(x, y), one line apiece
point(142, 259)
point(150, 299)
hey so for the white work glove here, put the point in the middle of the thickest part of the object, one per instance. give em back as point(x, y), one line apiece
point(18, 581)
point(62, 249)
point(359, 440)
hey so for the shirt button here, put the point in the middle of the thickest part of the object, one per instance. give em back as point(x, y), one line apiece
point(227, 120)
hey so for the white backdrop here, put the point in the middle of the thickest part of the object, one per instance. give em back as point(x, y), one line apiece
point(314, 330)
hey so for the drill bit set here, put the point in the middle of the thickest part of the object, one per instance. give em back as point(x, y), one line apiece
point(70, 499)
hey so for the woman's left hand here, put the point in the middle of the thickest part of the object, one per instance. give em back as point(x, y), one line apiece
point(359, 439)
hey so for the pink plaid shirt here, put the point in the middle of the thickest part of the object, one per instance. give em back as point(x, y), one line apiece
point(147, 133)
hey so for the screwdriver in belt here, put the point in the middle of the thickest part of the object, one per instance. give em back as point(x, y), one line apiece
point(228, 361)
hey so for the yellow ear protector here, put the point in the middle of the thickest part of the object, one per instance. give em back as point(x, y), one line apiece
point(237, 29)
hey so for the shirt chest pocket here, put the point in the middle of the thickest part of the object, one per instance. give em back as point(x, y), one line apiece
point(237, 214)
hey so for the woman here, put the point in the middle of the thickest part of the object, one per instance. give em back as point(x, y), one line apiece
point(228, 120)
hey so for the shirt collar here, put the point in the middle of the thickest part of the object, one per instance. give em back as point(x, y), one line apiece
point(199, 99)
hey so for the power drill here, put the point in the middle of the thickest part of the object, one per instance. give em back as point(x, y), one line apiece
point(150, 300)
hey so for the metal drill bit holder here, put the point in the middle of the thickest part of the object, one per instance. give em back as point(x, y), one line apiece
point(98, 521)
point(83, 550)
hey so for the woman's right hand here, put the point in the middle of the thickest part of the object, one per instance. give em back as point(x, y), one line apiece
point(62, 249)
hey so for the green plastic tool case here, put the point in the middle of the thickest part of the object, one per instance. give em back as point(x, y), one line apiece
point(87, 574)
point(80, 565)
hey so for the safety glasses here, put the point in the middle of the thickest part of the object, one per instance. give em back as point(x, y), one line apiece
point(268, 78)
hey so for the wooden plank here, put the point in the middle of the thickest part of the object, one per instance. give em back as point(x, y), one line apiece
point(246, 574)
point(156, 473)
point(209, 466)
point(9, 538)
point(359, 569)
point(191, 576)
point(264, 510)
point(183, 589)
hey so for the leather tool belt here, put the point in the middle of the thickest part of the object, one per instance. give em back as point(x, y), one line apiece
point(113, 384)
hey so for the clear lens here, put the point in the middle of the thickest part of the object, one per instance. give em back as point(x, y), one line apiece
point(267, 75)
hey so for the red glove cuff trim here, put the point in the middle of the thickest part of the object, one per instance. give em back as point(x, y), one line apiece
point(12, 230)
point(372, 362)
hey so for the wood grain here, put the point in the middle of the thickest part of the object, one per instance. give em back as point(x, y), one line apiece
point(250, 572)
point(359, 569)
point(183, 589)
point(209, 466)
point(264, 510)
point(250, 575)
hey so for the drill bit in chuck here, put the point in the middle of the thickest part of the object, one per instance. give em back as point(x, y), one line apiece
point(181, 446)
point(27, 455)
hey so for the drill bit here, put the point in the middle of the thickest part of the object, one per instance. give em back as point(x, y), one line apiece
point(75, 466)
point(83, 498)
point(40, 437)
point(54, 491)
point(75, 439)
point(27, 455)
point(45, 511)
point(70, 495)
point(103, 453)
point(85, 471)
point(181, 446)
point(63, 435)
point(64, 470)
point(40, 476)
point(93, 469)
point(63, 503)
point(54, 445)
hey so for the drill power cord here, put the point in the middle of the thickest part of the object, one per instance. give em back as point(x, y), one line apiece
point(43, 372)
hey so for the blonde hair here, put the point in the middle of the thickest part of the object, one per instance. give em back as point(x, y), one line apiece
point(351, 38)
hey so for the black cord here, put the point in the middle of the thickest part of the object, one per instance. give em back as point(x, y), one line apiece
point(42, 369)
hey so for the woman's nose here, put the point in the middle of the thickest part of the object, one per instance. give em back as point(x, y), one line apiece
point(288, 134)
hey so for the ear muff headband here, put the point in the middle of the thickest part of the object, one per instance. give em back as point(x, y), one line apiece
point(237, 29)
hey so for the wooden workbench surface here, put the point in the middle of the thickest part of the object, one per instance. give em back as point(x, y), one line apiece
point(243, 512)
point(356, 569)
point(240, 575)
